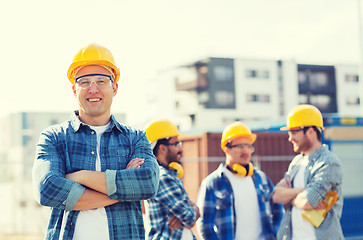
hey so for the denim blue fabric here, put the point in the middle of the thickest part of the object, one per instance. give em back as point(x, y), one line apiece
point(216, 203)
point(322, 174)
point(171, 200)
point(71, 146)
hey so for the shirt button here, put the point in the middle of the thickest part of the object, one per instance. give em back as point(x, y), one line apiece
point(92, 152)
point(93, 132)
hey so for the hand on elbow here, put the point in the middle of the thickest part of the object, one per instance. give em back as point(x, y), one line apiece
point(302, 202)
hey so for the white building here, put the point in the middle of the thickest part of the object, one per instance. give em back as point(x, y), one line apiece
point(348, 89)
point(217, 91)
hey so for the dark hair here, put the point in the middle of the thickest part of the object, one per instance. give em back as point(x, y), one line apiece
point(316, 129)
point(163, 141)
point(228, 144)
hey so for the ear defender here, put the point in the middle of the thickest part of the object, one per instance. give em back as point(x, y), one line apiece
point(243, 171)
point(177, 167)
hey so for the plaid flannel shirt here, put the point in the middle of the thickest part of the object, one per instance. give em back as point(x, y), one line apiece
point(171, 200)
point(71, 146)
point(322, 174)
point(216, 204)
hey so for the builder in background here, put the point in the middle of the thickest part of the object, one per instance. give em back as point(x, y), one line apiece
point(310, 176)
point(92, 170)
point(235, 201)
point(170, 213)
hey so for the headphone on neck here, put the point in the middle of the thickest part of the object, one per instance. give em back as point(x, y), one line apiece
point(175, 167)
point(241, 170)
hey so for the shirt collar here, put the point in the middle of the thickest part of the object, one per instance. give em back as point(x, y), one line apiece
point(317, 153)
point(220, 169)
point(76, 123)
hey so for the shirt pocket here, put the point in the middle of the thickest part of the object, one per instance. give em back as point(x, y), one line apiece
point(118, 159)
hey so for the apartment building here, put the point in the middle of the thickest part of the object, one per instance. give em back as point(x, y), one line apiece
point(216, 91)
point(348, 89)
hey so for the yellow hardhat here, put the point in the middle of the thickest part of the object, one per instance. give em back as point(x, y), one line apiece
point(302, 116)
point(93, 54)
point(160, 129)
point(236, 129)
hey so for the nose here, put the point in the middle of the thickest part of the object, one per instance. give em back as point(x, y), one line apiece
point(290, 137)
point(246, 150)
point(93, 87)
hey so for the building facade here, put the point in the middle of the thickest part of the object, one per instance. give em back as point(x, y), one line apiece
point(216, 91)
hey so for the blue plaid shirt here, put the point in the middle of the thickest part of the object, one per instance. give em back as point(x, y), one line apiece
point(216, 204)
point(323, 173)
point(171, 200)
point(71, 146)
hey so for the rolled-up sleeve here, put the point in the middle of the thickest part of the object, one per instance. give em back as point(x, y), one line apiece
point(327, 175)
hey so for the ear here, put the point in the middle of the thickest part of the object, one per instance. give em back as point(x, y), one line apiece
point(74, 90)
point(226, 150)
point(115, 88)
point(310, 131)
point(162, 149)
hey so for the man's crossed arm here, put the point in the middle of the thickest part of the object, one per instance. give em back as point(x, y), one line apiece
point(284, 193)
point(95, 196)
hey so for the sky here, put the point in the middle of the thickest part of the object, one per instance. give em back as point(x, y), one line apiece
point(39, 39)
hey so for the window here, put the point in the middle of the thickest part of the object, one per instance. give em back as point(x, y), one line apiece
point(224, 98)
point(262, 98)
point(320, 100)
point(223, 73)
point(318, 79)
point(302, 77)
point(352, 101)
point(323, 102)
point(257, 74)
point(351, 78)
point(317, 86)
point(262, 74)
point(313, 80)
point(251, 73)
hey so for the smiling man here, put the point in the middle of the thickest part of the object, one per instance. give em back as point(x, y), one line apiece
point(91, 170)
point(94, 90)
point(235, 200)
point(310, 176)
